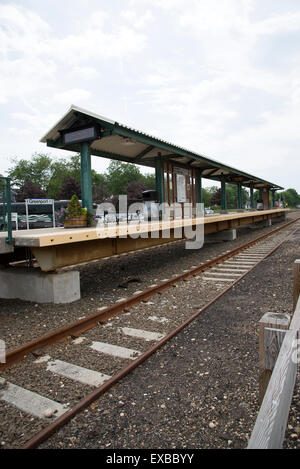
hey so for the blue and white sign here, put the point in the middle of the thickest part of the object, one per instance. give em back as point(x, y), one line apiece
point(39, 202)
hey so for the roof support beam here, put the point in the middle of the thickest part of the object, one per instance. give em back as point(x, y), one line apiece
point(115, 156)
point(143, 153)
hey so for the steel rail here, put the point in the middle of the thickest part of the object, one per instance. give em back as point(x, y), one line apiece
point(78, 327)
point(48, 431)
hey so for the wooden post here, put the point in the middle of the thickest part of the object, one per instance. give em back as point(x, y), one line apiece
point(296, 282)
point(271, 421)
point(271, 335)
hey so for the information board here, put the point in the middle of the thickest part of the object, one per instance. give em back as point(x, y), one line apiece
point(39, 202)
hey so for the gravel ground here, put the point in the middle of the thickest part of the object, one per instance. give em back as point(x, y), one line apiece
point(206, 370)
point(201, 389)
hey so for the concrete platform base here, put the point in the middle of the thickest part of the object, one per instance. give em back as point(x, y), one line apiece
point(226, 235)
point(281, 219)
point(33, 285)
point(261, 224)
point(4, 246)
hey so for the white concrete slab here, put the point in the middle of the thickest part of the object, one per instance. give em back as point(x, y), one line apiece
point(250, 256)
point(237, 264)
point(161, 320)
point(225, 269)
point(244, 261)
point(215, 279)
point(77, 373)
point(115, 350)
point(141, 334)
point(30, 402)
point(223, 274)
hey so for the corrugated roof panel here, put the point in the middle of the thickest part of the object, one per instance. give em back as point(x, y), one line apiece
point(116, 146)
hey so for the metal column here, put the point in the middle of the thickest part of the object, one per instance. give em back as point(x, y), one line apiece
point(223, 195)
point(252, 195)
point(9, 238)
point(199, 185)
point(273, 198)
point(239, 196)
point(159, 178)
point(86, 176)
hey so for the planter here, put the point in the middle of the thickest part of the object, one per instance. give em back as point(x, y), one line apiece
point(79, 221)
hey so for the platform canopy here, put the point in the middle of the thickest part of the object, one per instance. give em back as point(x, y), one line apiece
point(110, 139)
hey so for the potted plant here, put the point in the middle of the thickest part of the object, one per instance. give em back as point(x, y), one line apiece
point(75, 216)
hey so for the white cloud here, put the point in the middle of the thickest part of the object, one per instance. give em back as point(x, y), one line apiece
point(74, 95)
point(32, 53)
point(136, 20)
point(207, 77)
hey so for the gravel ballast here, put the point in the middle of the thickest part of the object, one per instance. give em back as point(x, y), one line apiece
point(201, 385)
point(201, 389)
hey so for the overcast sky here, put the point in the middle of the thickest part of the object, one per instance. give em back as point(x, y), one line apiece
point(219, 77)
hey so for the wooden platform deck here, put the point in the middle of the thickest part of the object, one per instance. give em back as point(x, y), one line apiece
point(59, 247)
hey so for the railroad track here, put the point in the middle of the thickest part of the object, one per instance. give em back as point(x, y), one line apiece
point(46, 382)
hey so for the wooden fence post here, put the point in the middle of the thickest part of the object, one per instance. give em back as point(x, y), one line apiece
point(296, 282)
point(272, 327)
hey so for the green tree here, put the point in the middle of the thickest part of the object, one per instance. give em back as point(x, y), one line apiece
point(37, 170)
point(30, 191)
point(119, 175)
point(149, 181)
point(207, 194)
point(70, 187)
point(291, 197)
point(100, 187)
point(62, 169)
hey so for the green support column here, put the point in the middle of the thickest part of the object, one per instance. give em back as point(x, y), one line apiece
point(159, 178)
point(199, 183)
point(239, 194)
point(223, 195)
point(261, 194)
point(251, 195)
point(86, 176)
point(273, 198)
point(9, 239)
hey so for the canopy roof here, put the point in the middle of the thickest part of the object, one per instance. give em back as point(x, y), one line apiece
point(119, 142)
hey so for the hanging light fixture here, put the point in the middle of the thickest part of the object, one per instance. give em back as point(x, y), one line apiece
point(128, 141)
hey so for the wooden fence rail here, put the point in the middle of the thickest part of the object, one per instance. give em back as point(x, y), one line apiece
point(270, 426)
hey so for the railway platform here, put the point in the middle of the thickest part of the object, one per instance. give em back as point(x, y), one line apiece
point(56, 248)
point(198, 389)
